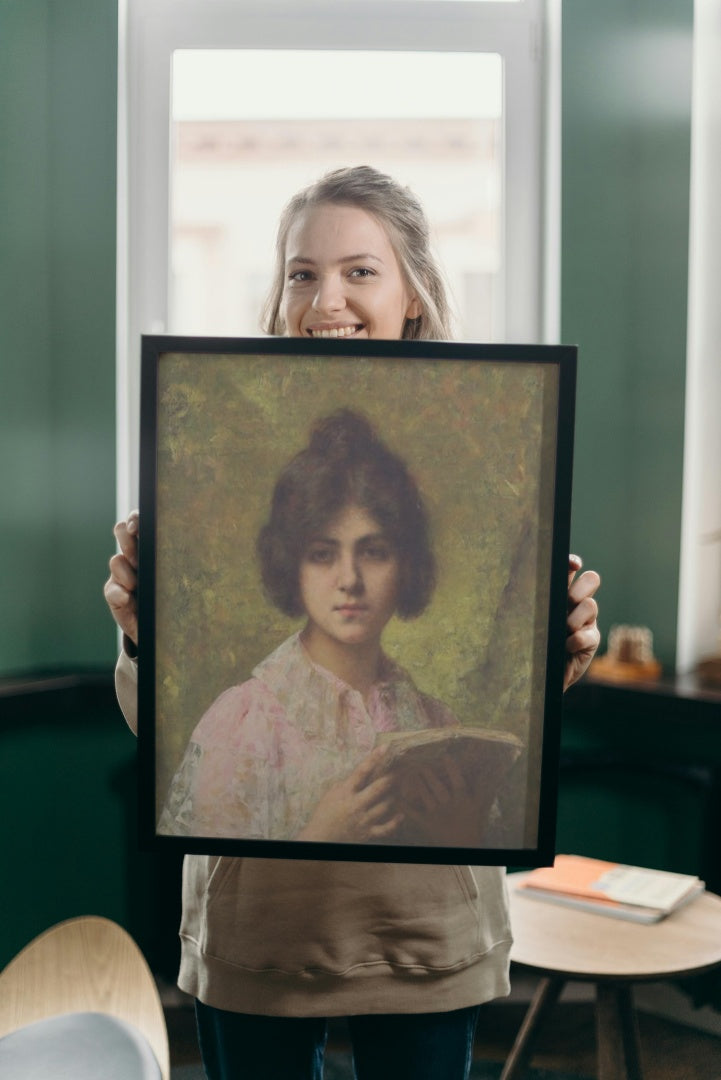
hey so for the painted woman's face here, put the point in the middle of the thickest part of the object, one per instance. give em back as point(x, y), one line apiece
point(342, 277)
point(349, 579)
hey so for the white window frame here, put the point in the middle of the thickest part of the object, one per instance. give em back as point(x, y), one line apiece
point(526, 34)
point(699, 597)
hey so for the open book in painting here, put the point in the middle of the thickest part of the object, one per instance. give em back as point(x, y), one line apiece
point(448, 780)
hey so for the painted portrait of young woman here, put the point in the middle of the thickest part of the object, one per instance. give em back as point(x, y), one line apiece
point(351, 584)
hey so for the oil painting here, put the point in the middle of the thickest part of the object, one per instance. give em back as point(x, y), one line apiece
point(352, 597)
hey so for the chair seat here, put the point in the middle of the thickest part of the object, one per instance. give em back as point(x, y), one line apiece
point(78, 1046)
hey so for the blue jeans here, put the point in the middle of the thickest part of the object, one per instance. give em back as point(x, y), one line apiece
point(417, 1046)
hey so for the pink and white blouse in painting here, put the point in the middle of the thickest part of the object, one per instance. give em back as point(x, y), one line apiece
point(265, 751)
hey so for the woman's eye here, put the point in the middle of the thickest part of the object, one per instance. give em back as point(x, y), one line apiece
point(362, 272)
point(378, 552)
point(320, 556)
point(300, 276)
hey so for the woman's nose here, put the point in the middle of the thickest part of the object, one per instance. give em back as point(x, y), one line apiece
point(329, 297)
point(349, 576)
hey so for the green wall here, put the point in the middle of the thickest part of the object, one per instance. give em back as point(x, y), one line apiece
point(626, 145)
point(58, 65)
point(67, 771)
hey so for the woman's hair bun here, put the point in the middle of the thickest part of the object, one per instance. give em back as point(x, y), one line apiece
point(343, 434)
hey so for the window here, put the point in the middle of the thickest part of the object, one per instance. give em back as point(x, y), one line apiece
point(235, 161)
point(227, 107)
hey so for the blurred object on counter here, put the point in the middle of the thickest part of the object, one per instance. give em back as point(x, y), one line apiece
point(629, 657)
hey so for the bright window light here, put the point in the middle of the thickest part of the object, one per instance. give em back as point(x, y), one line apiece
point(238, 155)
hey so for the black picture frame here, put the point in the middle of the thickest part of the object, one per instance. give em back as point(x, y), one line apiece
point(486, 431)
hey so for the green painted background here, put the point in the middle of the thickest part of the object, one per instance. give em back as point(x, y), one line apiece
point(479, 438)
point(626, 130)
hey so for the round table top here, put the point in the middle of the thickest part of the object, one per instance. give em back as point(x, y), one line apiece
point(559, 940)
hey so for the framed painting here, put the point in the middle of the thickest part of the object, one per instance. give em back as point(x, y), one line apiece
point(352, 597)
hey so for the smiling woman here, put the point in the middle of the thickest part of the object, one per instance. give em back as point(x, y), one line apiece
point(353, 258)
point(343, 277)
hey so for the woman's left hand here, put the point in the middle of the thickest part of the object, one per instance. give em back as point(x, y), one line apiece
point(582, 633)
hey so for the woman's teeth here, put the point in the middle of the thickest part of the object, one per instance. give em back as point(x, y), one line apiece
point(337, 331)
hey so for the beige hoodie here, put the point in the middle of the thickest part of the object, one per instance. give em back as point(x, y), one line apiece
point(301, 938)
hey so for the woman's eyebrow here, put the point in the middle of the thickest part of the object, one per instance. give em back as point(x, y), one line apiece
point(362, 256)
point(380, 535)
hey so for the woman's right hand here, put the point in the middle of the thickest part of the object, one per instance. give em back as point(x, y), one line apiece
point(358, 809)
point(122, 585)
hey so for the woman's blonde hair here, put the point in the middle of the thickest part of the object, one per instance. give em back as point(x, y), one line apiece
point(403, 217)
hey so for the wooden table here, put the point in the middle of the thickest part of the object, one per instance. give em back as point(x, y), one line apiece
point(563, 944)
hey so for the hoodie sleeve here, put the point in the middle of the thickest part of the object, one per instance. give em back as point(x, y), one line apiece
point(126, 689)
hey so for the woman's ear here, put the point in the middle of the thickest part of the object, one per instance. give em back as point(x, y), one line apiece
point(415, 309)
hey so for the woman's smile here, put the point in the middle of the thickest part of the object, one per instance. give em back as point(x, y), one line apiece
point(342, 277)
point(335, 331)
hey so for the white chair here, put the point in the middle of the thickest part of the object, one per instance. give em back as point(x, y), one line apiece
point(80, 1002)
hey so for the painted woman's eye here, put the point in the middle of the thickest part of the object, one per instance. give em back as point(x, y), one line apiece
point(378, 551)
point(320, 556)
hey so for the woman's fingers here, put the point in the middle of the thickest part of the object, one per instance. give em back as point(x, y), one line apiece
point(123, 607)
point(126, 534)
point(384, 830)
point(583, 613)
point(121, 587)
point(371, 768)
point(575, 562)
point(583, 588)
point(123, 572)
point(582, 633)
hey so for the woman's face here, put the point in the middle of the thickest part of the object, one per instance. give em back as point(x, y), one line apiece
point(349, 579)
point(342, 277)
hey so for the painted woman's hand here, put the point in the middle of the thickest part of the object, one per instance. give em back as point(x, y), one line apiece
point(582, 633)
point(358, 809)
point(121, 587)
point(443, 806)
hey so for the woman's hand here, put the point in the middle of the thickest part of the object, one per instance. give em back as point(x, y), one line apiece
point(444, 806)
point(582, 633)
point(358, 809)
point(122, 585)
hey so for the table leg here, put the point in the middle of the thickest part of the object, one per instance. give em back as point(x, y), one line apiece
point(617, 1033)
point(545, 997)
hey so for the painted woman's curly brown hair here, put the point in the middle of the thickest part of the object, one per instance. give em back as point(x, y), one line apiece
point(345, 463)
